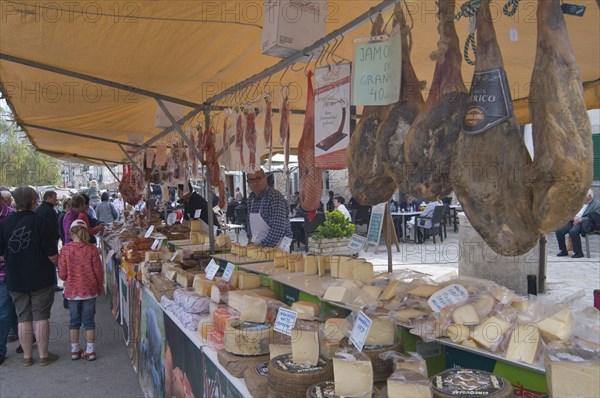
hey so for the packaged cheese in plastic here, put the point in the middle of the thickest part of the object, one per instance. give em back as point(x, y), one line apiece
point(573, 369)
point(352, 373)
point(411, 361)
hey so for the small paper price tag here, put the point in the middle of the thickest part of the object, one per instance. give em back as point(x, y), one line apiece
point(285, 244)
point(156, 244)
point(449, 295)
point(285, 321)
point(228, 272)
point(360, 331)
point(197, 213)
point(357, 242)
point(108, 256)
point(175, 254)
point(211, 270)
point(149, 231)
point(513, 34)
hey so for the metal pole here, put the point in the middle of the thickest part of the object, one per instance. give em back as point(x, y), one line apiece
point(178, 128)
point(542, 265)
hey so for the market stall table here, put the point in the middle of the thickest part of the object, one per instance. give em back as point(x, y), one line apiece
point(455, 210)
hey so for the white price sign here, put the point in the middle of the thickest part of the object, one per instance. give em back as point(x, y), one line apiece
point(285, 321)
point(149, 231)
point(228, 272)
point(285, 244)
point(197, 213)
point(175, 254)
point(449, 295)
point(211, 270)
point(156, 244)
point(360, 331)
point(357, 242)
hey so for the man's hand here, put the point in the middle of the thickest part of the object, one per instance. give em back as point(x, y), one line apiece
point(576, 220)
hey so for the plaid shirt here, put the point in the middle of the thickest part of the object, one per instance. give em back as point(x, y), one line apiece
point(273, 208)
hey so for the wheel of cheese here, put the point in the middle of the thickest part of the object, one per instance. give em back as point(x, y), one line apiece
point(290, 380)
point(381, 369)
point(237, 364)
point(247, 338)
point(326, 389)
point(256, 380)
point(453, 383)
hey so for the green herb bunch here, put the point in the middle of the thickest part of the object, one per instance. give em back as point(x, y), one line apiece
point(336, 226)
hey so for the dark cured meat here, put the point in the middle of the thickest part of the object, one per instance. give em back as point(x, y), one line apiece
point(392, 132)
point(131, 185)
point(310, 177)
point(430, 145)
point(212, 161)
point(250, 136)
point(487, 176)
point(366, 177)
point(563, 161)
point(284, 131)
point(268, 131)
point(239, 137)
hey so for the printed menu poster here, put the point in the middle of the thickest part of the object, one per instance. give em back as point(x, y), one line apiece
point(332, 115)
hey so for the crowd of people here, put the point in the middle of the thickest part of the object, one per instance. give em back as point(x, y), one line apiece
point(39, 239)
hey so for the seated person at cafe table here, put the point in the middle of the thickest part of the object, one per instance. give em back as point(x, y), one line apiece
point(192, 201)
point(586, 219)
point(410, 203)
point(267, 212)
point(338, 204)
point(426, 223)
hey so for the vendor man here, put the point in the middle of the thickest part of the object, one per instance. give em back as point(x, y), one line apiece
point(192, 202)
point(268, 212)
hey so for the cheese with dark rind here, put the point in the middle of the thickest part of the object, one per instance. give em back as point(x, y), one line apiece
point(287, 379)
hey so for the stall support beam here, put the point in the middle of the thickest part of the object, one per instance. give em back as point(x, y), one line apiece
point(74, 134)
point(131, 160)
point(111, 172)
point(175, 124)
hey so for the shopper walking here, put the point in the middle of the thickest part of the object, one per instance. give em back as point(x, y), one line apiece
point(105, 210)
point(8, 316)
point(30, 254)
point(80, 267)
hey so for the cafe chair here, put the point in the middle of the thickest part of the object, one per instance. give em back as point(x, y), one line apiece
point(436, 227)
point(587, 240)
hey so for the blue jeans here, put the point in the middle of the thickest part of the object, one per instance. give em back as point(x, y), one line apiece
point(82, 311)
point(8, 317)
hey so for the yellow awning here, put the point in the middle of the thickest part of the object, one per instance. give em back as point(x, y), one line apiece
point(192, 50)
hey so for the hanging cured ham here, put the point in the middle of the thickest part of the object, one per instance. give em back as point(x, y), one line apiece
point(131, 186)
point(491, 154)
point(430, 145)
point(250, 137)
point(310, 177)
point(562, 137)
point(239, 137)
point(268, 131)
point(284, 131)
point(210, 151)
point(392, 132)
point(367, 181)
point(192, 154)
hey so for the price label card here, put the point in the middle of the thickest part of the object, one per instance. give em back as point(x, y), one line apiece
point(109, 256)
point(211, 270)
point(228, 272)
point(171, 218)
point(197, 213)
point(449, 295)
point(156, 244)
point(285, 244)
point(357, 242)
point(175, 254)
point(360, 331)
point(285, 321)
point(149, 231)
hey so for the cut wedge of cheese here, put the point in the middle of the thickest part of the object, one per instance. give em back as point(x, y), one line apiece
point(373, 291)
point(311, 265)
point(306, 310)
point(424, 290)
point(305, 347)
point(279, 349)
point(558, 326)
point(382, 332)
point(336, 293)
point(465, 315)
point(524, 343)
point(336, 329)
point(390, 291)
point(491, 332)
point(353, 375)
point(249, 281)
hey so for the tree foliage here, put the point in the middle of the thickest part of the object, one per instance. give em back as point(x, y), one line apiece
point(20, 162)
point(336, 226)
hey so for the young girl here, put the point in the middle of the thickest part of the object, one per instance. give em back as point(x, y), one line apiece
point(80, 267)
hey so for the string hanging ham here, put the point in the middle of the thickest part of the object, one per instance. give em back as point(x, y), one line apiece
point(131, 185)
point(250, 137)
point(430, 144)
point(491, 154)
point(367, 180)
point(310, 177)
point(562, 137)
point(393, 130)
